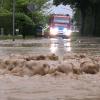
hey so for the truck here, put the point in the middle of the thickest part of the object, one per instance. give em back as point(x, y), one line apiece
point(60, 25)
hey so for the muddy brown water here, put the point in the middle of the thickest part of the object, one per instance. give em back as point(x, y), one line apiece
point(49, 87)
point(46, 46)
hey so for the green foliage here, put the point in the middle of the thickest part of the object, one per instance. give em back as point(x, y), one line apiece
point(7, 4)
point(77, 17)
point(71, 2)
point(2, 10)
point(23, 23)
point(21, 6)
point(25, 20)
point(39, 18)
point(77, 3)
point(6, 22)
point(22, 2)
point(38, 3)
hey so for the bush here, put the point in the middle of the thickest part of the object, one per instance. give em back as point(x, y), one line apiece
point(22, 22)
point(25, 24)
point(6, 23)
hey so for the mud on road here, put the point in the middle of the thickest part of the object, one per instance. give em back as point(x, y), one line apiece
point(30, 73)
point(46, 77)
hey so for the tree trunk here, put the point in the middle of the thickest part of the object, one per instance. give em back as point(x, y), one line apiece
point(97, 20)
point(94, 20)
point(90, 20)
point(83, 15)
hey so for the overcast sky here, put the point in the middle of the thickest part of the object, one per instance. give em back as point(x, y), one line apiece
point(60, 9)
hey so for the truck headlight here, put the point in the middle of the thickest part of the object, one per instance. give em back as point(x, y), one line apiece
point(67, 32)
point(53, 31)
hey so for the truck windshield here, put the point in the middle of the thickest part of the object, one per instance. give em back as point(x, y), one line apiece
point(61, 20)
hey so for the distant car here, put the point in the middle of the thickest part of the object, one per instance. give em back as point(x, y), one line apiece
point(39, 30)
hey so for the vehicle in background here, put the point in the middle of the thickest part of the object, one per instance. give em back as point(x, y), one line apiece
point(60, 26)
point(39, 30)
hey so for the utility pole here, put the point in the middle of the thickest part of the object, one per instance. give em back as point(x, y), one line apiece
point(13, 20)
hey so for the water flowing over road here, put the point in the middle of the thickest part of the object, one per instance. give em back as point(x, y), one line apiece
point(58, 46)
point(57, 86)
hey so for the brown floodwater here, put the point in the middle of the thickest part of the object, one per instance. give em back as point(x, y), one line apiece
point(58, 46)
point(50, 87)
point(83, 87)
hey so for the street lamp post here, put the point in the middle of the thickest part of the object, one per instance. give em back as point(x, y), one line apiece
point(13, 20)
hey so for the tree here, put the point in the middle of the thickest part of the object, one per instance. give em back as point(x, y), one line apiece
point(21, 7)
point(89, 10)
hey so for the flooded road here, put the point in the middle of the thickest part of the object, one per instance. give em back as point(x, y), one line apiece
point(58, 86)
point(58, 46)
point(47, 87)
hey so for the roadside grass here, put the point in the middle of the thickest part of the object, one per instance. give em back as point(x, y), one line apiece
point(11, 37)
point(5, 37)
point(75, 34)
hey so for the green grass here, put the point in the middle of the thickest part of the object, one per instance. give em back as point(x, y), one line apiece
point(75, 35)
point(5, 37)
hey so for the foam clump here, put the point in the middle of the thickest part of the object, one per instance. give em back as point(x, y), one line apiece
point(49, 64)
point(89, 67)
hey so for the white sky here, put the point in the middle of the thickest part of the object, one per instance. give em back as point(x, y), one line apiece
point(60, 9)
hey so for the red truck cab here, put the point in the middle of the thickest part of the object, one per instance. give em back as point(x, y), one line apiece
point(60, 25)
